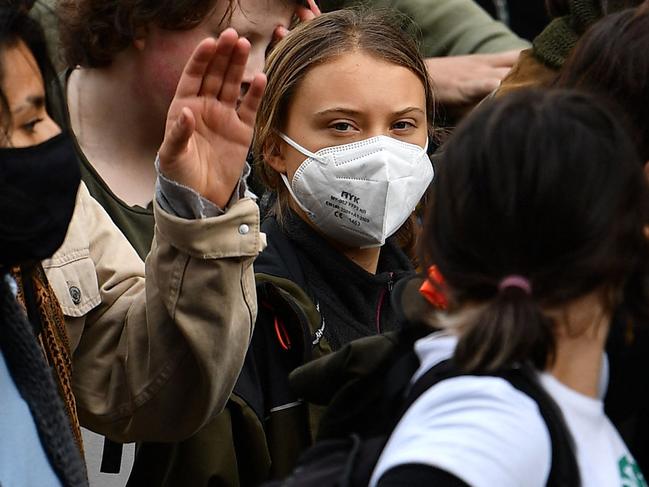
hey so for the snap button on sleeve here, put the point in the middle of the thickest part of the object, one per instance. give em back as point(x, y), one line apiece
point(244, 229)
point(75, 294)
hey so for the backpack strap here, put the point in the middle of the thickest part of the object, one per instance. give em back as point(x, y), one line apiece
point(279, 273)
point(564, 471)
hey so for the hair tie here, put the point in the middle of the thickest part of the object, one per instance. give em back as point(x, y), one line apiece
point(519, 282)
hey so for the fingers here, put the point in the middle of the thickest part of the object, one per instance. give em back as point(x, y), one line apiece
point(216, 71)
point(213, 78)
point(231, 89)
point(500, 73)
point(314, 8)
point(477, 88)
point(177, 138)
point(503, 59)
point(304, 14)
point(195, 69)
point(250, 103)
point(279, 33)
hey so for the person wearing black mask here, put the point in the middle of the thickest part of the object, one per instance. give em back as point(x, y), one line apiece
point(38, 187)
point(72, 290)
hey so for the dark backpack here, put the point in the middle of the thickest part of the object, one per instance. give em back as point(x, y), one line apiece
point(367, 405)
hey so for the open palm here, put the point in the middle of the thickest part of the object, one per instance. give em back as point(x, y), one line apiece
point(207, 135)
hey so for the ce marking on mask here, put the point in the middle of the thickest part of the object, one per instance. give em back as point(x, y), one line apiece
point(347, 206)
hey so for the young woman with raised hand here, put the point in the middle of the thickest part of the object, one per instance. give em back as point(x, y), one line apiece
point(536, 223)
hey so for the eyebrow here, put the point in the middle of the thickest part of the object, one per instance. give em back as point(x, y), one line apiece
point(349, 111)
point(33, 101)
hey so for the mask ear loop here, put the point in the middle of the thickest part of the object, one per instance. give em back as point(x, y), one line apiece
point(299, 148)
point(304, 152)
point(295, 198)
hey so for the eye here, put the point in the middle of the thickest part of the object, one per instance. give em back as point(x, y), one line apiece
point(342, 126)
point(403, 125)
point(31, 125)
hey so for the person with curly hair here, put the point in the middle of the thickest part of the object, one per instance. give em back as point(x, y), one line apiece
point(125, 59)
point(89, 335)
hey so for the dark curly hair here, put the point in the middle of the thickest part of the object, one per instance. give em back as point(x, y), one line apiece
point(93, 31)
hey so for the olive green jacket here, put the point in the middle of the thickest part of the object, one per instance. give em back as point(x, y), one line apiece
point(448, 27)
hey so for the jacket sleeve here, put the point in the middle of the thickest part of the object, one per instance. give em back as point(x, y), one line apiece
point(156, 359)
point(448, 27)
point(455, 27)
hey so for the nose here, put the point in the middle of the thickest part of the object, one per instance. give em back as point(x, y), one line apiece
point(376, 131)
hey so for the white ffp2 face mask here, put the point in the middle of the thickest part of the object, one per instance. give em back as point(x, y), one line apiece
point(359, 194)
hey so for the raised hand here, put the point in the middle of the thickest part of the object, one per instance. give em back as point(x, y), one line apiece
point(209, 128)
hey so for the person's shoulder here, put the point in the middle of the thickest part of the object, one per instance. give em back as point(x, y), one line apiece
point(471, 398)
point(481, 429)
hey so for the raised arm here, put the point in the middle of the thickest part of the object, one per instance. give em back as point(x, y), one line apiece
point(156, 358)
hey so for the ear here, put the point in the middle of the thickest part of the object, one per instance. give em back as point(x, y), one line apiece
point(273, 153)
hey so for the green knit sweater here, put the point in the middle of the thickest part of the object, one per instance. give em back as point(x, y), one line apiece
point(553, 45)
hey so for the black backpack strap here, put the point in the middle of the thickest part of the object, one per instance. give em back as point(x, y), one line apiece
point(392, 407)
point(564, 471)
point(442, 371)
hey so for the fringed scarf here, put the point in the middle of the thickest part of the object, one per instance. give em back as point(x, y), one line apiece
point(38, 358)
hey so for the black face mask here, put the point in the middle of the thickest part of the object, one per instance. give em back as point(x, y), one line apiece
point(38, 189)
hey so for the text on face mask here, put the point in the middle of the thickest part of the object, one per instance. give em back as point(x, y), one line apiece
point(345, 206)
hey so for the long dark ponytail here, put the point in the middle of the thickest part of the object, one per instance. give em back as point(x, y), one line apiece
point(544, 185)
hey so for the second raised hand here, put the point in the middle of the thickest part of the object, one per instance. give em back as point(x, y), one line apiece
point(206, 136)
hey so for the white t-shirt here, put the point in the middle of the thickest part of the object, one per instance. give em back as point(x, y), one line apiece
point(486, 432)
point(93, 449)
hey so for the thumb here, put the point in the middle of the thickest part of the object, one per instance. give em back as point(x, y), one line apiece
point(177, 137)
